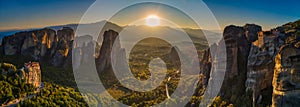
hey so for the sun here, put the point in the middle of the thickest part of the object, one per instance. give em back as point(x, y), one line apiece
point(152, 20)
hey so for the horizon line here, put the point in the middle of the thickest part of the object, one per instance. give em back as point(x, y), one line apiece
point(14, 29)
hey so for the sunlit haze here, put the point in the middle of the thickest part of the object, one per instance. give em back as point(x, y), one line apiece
point(17, 14)
point(152, 20)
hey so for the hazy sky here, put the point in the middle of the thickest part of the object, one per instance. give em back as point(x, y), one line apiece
point(23, 14)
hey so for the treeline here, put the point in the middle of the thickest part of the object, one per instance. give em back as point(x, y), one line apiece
point(14, 88)
point(55, 95)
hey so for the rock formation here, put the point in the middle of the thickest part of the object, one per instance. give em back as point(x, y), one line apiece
point(42, 45)
point(205, 65)
point(33, 43)
point(32, 73)
point(62, 47)
point(65, 34)
point(60, 53)
point(261, 62)
point(237, 48)
point(251, 32)
point(104, 60)
point(286, 80)
point(83, 51)
point(238, 42)
point(174, 57)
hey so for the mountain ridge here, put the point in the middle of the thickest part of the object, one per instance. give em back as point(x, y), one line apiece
point(87, 26)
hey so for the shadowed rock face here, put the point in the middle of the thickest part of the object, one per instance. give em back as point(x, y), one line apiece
point(61, 49)
point(43, 44)
point(238, 43)
point(25, 42)
point(175, 60)
point(252, 31)
point(237, 48)
point(286, 80)
point(261, 63)
point(65, 34)
point(104, 60)
point(205, 66)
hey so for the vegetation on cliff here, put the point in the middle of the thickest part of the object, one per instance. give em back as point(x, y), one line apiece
point(12, 86)
point(55, 95)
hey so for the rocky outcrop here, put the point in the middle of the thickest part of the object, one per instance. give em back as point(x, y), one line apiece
point(205, 66)
point(237, 42)
point(174, 57)
point(234, 38)
point(237, 49)
point(66, 34)
point(286, 80)
point(32, 73)
point(60, 53)
point(104, 60)
point(62, 48)
point(42, 45)
point(33, 43)
point(251, 31)
point(261, 63)
point(271, 63)
point(83, 49)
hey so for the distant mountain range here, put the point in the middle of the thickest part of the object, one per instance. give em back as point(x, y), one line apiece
point(93, 28)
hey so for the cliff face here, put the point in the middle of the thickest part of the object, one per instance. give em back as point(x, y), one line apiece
point(286, 71)
point(32, 73)
point(238, 43)
point(261, 62)
point(286, 81)
point(54, 48)
point(254, 60)
point(42, 45)
point(174, 57)
point(29, 43)
point(251, 31)
point(104, 60)
point(237, 48)
point(205, 66)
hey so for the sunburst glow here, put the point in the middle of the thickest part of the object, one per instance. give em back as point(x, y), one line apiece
point(152, 20)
